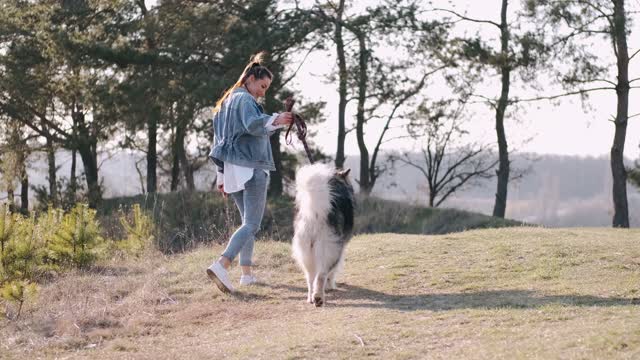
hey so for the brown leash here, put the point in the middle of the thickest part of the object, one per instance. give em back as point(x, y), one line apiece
point(301, 128)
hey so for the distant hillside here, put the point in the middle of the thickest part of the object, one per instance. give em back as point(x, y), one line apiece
point(555, 191)
point(186, 219)
point(558, 191)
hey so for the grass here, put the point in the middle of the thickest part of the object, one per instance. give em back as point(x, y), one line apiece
point(513, 293)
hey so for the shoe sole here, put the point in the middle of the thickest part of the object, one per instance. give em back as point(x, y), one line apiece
point(218, 283)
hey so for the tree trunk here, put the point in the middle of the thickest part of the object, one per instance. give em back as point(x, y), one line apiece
point(618, 171)
point(177, 154)
point(24, 190)
point(342, 87)
point(51, 167)
point(276, 187)
point(152, 153)
point(21, 151)
point(11, 198)
point(500, 205)
point(188, 170)
point(365, 185)
point(53, 181)
point(153, 117)
point(276, 181)
point(90, 164)
point(73, 181)
point(87, 147)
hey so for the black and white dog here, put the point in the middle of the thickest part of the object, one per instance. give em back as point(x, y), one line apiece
point(324, 224)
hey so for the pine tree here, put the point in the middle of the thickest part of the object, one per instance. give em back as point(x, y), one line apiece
point(6, 231)
point(140, 231)
point(76, 241)
point(18, 292)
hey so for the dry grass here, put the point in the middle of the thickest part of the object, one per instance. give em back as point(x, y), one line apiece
point(485, 294)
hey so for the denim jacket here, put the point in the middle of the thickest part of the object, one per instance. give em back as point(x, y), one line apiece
point(240, 136)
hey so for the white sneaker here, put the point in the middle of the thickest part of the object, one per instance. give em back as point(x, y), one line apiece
point(219, 275)
point(247, 280)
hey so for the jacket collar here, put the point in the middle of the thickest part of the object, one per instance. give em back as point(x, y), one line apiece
point(243, 89)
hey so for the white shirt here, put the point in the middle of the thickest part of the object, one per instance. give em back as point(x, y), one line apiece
point(235, 176)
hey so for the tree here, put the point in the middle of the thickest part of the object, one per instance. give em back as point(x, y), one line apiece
point(206, 46)
point(381, 86)
point(334, 14)
point(77, 239)
point(570, 23)
point(520, 53)
point(282, 33)
point(447, 165)
point(51, 84)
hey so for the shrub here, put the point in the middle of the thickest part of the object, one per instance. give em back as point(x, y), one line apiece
point(7, 222)
point(139, 230)
point(76, 241)
point(18, 291)
point(23, 254)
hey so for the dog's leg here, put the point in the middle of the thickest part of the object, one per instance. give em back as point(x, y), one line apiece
point(331, 281)
point(309, 278)
point(318, 288)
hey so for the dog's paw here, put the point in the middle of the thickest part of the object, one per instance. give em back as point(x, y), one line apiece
point(318, 301)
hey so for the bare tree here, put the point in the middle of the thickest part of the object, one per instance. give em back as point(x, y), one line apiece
point(447, 165)
point(381, 87)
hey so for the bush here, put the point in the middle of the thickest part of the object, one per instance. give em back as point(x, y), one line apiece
point(23, 253)
point(32, 246)
point(18, 292)
point(77, 239)
point(140, 231)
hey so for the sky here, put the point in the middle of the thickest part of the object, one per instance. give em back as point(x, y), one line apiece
point(543, 127)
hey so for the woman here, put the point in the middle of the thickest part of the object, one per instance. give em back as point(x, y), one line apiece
point(242, 153)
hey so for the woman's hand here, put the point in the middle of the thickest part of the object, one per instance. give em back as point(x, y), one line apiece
point(284, 118)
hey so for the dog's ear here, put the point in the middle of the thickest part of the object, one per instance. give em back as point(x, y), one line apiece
point(344, 173)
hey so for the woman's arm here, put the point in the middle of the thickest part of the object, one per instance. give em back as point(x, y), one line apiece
point(253, 120)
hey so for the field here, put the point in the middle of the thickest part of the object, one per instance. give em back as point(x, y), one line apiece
point(510, 293)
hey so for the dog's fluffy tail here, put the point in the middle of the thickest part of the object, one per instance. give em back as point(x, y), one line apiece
point(313, 177)
point(312, 188)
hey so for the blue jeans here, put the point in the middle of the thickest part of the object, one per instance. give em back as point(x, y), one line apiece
point(251, 202)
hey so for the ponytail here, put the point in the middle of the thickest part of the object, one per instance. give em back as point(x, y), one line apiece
point(255, 68)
